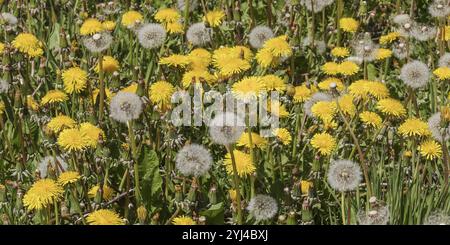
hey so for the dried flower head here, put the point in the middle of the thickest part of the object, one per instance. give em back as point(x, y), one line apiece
point(226, 128)
point(193, 160)
point(125, 107)
point(415, 74)
point(98, 42)
point(262, 207)
point(344, 175)
point(259, 35)
point(151, 35)
point(198, 34)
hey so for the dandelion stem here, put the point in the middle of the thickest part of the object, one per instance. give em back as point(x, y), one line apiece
point(135, 161)
point(236, 185)
point(343, 207)
point(102, 87)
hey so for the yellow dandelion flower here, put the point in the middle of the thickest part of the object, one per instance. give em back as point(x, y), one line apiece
point(370, 119)
point(283, 135)
point(214, 18)
point(90, 27)
point(302, 93)
point(28, 44)
point(331, 68)
point(167, 15)
point(104, 217)
point(414, 127)
point(42, 194)
point(273, 82)
point(324, 110)
point(68, 177)
point(257, 140)
point(132, 88)
point(197, 77)
point(244, 165)
point(447, 33)
point(54, 96)
point(230, 66)
point(277, 109)
point(183, 220)
point(161, 92)
point(340, 52)
point(325, 84)
point(348, 25)
point(383, 53)
point(348, 68)
point(199, 59)
point(359, 88)
point(391, 107)
point(346, 104)
point(389, 38)
point(2, 47)
point(265, 58)
point(430, 149)
point(109, 25)
point(174, 27)
point(233, 194)
point(175, 60)
point(31, 103)
point(305, 186)
point(75, 80)
point(278, 46)
point(72, 140)
point(324, 143)
point(91, 134)
point(248, 88)
point(61, 122)
point(110, 65)
point(442, 73)
point(377, 89)
point(131, 18)
point(108, 192)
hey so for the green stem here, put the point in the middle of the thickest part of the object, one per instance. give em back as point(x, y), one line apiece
point(102, 87)
point(236, 185)
point(135, 162)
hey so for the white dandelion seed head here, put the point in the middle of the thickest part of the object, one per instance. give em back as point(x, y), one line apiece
point(193, 160)
point(376, 216)
point(439, 8)
point(262, 207)
point(125, 107)
point(402, 19)
point(355, 59)
point(365, 48)
point(423, 32)
point(415, 74)
point(317, 5)
point(226, 128)
point(98, 42)
point(444, 61)
point(198, 34)
point(50, 161)
point(319, 45)
point(9, 19)
point(399, 50)
point(151, 35)
point(344, 175)
point(4, 86)
point(438, 132)
point(438, 218)
point(193, 4)
point(259, 35)
point(319, 96)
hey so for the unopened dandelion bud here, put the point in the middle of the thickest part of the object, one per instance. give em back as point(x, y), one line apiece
point(2, 193)
point(291, 220)
point(142, 214)
point(306, 211)
point(445, 114)
point(192, 194)
point(281, 218)
point(202, 220)
point(212, 195)
point(155, 219)
point(178, 194)
point(296, 191)
point(373, 200)
point(19, 203)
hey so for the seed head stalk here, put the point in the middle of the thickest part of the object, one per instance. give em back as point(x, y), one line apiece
point(134, 153)
point(102, 87)
point(236, 182)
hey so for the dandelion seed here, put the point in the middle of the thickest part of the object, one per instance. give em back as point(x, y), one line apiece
point(319, 45)
point(9, 19)
point(439, 8)
point(193, 4)
point(415, 74)
point(226, 128)
point(316, 5)
point(423, 32)
point(262, 207)
point(438, 218)
point(125, 107)
point(151, 35)
point(376, 216)
point(259, 35)
point(193, 160)
point(444, 61)
point(344, 175)
point(99, 42)
point(198, 34)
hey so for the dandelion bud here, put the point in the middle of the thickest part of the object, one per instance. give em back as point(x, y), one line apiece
point(155, 219)
point(373, 200)
point(212, 195)
point(2, 193)
point(192, 194)
point(281, 218)
point(202, 220)
point(306, 211)
point(407, 26)
point(142, 214)
point(291, 218)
